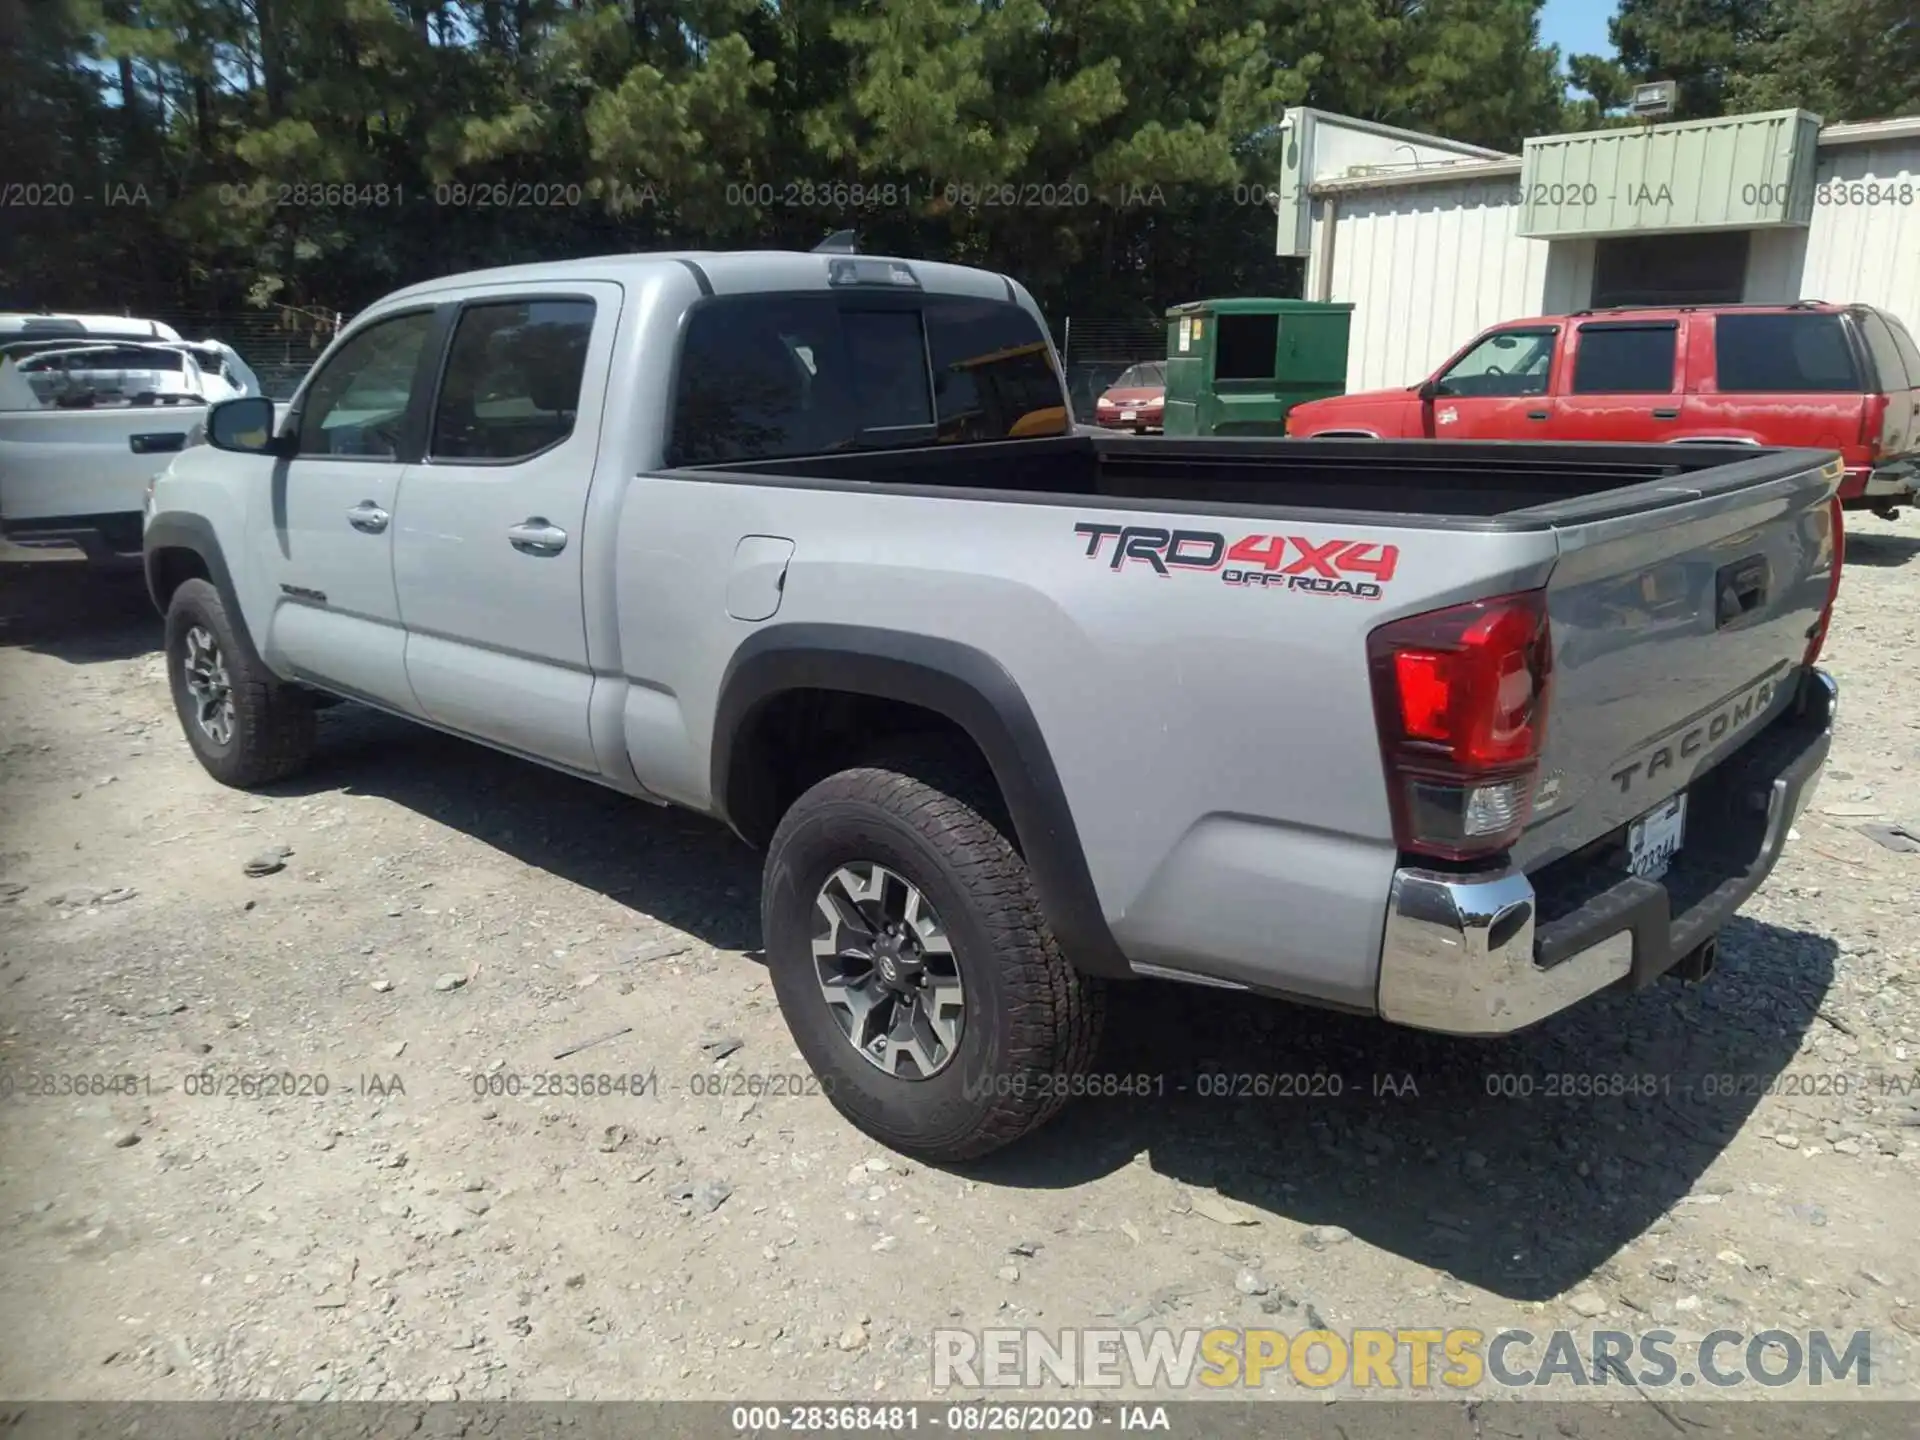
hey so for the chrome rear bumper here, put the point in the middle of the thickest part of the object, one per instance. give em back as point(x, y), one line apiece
point(1459, 957)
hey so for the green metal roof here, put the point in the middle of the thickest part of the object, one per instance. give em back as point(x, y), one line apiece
point(1253, 305)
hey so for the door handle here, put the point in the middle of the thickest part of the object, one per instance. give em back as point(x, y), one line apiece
point(536, 535)
point(1739, 589)
point(1666, 414)
point(1536, 414)
point(368, 518)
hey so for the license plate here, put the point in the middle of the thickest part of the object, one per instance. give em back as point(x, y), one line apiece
point(1128, 414)
point(1654, 839)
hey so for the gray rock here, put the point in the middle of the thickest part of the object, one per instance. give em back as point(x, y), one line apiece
point(1667, 1270)
point(854, 1337)
point(315, 1390)
point(706, 1197)
point(612, 1138)
point(659, 950)
point(1892, 837)
point(383, 985)
point(1009, 1273)
point(125, 1139)
point(1025, 1249)
point(441, 1394)
point(1248, 1283)
point(1318, 1237)
point(718, 1047)
point(269, 861)
point(1589, 1303)
point(449, 982)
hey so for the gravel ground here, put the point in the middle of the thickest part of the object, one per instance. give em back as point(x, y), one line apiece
point(441, 924)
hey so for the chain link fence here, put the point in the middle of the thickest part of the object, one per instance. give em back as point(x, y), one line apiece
point(1096, 351)
point(279, 344)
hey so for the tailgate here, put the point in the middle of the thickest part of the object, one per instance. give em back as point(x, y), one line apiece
point(1679, 631)
point(73, 463)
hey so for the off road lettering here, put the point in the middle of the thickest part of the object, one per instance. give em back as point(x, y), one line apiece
point(1282, 562)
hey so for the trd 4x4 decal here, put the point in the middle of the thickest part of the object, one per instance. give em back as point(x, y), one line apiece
point(1261, 562)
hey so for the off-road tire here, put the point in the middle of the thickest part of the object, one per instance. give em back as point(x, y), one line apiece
point(272, 722)
point(1032, 1021)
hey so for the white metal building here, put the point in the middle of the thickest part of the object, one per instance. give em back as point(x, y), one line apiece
point(1434, 241)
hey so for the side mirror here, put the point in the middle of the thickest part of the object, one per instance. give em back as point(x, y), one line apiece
point(1428, 389)
point(243, 425)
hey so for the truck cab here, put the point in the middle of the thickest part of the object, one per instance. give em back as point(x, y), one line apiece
point(1839, 377)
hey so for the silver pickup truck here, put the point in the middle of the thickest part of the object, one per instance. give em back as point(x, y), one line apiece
point(1455, 734)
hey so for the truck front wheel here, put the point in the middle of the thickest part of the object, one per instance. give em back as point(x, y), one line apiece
point(913, 965)
point(245, 727)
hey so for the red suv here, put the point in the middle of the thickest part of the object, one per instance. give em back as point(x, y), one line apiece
point(1833, 377)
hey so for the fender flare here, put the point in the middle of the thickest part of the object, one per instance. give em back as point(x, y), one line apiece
point(966, 686)
point(179, 530)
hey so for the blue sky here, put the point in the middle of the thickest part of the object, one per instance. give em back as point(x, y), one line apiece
point(1578, 27)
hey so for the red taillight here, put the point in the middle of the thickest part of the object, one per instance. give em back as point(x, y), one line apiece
point(1835, 544)
point(1873, 419)
point(1460, 696)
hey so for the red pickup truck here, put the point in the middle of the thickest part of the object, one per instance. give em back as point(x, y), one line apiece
point(1833, 377)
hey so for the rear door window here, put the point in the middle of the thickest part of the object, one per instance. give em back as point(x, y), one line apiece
point(1785, 353)
point(1624, 359)
point(769, 376)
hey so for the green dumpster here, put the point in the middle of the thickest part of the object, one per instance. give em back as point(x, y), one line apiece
point(1235, 367)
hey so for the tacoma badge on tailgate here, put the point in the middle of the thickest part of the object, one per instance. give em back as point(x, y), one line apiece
point(1691, 737)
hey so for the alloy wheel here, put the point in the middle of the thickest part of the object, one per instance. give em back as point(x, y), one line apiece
point(207, 683)
point(887, 971)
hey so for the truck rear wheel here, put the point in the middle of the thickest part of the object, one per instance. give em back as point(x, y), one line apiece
point(912, 963)
point(244, 725)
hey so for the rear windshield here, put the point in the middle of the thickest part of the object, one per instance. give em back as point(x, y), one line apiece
point(1783, 353)
point(1889, 366)
point(1909, 352)
point(766, 376)
point(131, 357)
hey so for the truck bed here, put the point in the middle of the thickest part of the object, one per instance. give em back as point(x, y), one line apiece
point(1683, 584)
point(1500, 485)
